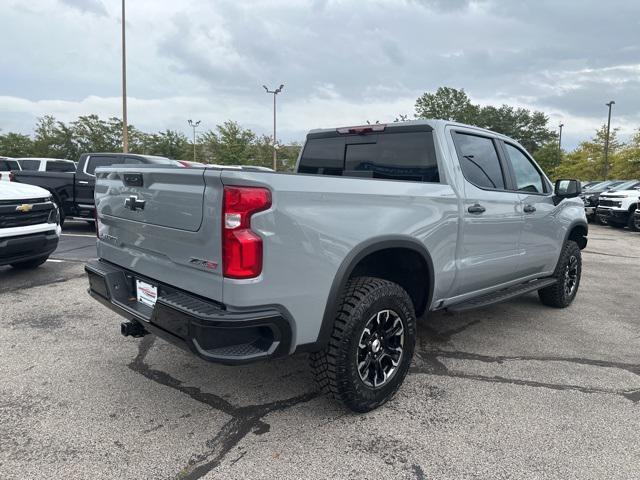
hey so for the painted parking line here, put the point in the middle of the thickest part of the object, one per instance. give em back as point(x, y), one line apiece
point(55, 260)
point(77, 235)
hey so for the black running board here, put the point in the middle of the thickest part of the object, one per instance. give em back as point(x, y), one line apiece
point(502, 295)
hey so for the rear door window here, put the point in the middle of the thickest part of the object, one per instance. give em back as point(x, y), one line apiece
point(132, 161)
point(30, 164)
point(96, 161)
point(479, 160)
point(60, 167)
point(408, 156)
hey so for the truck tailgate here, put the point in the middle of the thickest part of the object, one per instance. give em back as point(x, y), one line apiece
point(150, 221)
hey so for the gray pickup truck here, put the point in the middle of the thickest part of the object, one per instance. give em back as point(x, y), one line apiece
point(379, 225)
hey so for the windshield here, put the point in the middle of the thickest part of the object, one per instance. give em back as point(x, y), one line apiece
point(626, 185)
point(601, 187)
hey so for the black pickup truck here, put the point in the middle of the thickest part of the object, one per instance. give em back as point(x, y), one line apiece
point(73, 192)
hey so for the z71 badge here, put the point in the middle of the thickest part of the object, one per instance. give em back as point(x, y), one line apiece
point(208, 264)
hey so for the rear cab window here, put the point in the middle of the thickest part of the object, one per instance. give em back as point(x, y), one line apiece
point(389, 155)
point(13, 164)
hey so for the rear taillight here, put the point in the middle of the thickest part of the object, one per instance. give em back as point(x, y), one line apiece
point(11, 176)
point(242, 248)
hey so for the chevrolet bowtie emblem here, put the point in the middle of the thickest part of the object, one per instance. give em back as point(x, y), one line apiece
point(25, 207)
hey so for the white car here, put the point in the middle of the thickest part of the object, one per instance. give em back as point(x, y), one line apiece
point(29, 225)
point(47, 164)
point(7, 164)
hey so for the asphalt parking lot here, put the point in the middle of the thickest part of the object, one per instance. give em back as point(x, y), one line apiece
point(516, 390)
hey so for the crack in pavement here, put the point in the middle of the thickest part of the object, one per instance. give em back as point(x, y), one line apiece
point(609, 254)
point(435, 367)
point(630, 367)
point(629, 394)
point(243, 419)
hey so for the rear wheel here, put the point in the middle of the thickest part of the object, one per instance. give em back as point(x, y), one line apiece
point(29, 264)
point(567, 274)
point(371, 346)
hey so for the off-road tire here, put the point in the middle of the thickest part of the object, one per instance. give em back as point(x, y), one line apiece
point(336, 369)
point(29, 264)
point(556, 295)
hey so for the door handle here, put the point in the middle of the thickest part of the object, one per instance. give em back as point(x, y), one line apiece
point(529, 209)
point(477, 208)
point(83, 182)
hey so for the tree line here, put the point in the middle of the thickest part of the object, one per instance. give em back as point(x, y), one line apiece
point(231, 144)
point(227, 144)
point(531, 129)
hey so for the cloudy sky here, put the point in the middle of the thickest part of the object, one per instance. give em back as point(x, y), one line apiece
point(342, 62)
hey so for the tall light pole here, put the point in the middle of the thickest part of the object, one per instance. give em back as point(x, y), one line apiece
point(125, 132)
point(560, 142)
point(193, 125)
point(606, 141)
point(275, 153)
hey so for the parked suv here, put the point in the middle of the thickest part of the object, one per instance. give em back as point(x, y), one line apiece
point(617, 208)
point(380, 225)
point(29, 229)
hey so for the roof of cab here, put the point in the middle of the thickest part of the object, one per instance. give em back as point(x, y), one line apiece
point(433, 123)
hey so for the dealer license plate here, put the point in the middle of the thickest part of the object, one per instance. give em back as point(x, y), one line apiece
point(146, 293)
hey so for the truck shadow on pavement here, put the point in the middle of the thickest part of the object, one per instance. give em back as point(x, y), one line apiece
point(435, 348)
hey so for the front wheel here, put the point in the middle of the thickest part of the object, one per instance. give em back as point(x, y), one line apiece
point(633, 222)
point(567, 274)
point(371, 346)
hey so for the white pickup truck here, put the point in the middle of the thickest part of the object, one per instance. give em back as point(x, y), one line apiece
point(29, 225)
point(617, 208)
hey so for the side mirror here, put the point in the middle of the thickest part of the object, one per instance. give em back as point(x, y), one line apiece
point(566, 189)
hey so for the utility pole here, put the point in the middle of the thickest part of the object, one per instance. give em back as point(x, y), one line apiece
point(193, 125)
point(275, 152)
point(606, 141)
point(560, 143)
point(125, 132)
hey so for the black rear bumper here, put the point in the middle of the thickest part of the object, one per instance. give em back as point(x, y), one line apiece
point(208, 329)
point(23, 248)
